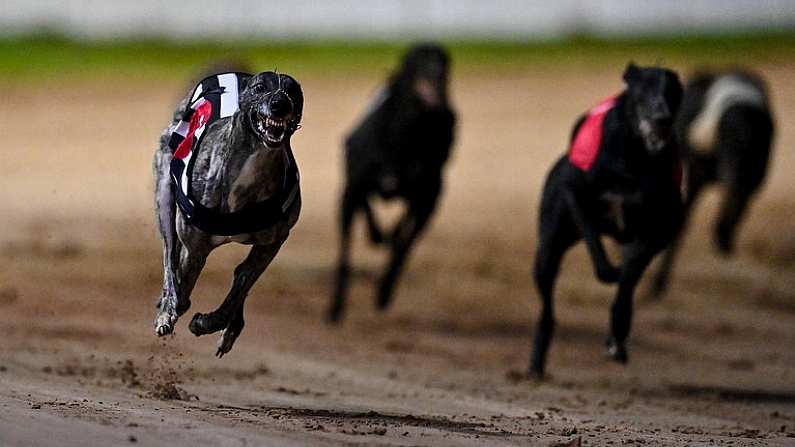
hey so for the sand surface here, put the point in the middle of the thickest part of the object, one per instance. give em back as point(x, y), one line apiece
point(80, 271)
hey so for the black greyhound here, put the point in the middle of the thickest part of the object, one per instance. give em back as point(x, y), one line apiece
point(725, 129)
point(620, 178)
point(397, 151)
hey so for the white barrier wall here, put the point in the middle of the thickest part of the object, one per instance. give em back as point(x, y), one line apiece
point(388, 19)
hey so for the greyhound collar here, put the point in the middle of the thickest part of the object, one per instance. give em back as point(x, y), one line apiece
point(214, 98)
point(586, 144)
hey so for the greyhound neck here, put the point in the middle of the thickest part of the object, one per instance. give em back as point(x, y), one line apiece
point(255, 171)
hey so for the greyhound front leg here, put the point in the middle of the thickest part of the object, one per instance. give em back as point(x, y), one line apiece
point(605, 271)
point(169, 298)
point(403, 237)
point(191, 263)
point(732, 209)
point(167, 314)
point(165, 213)
point(637, 257)
point(229, 315)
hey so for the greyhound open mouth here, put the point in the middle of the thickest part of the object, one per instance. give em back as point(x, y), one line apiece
point(655, 143)
point(654, 138)
point(271, 130)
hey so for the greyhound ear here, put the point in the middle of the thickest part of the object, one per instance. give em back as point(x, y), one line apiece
point(631, 73)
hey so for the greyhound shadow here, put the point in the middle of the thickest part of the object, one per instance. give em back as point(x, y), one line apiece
point(730, 394)
point(584, 334)
point(451, 326)
point(374, 418)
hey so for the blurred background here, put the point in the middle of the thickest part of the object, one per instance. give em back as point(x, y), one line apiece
point(88, 86)
point(505, 20)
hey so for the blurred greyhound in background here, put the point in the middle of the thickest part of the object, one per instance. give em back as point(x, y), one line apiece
point(224, 173)
point(397, 151)
point(725, 127)
point(621, 178)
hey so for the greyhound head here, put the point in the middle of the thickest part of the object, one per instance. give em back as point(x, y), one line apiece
point(424, 74)
point(272, 104)
point(654, 95)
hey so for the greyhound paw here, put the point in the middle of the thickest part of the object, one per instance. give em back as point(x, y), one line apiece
point(608, 274)
point(334, 316)
point(376, 237)
point(724, 245)
point(227, 340)
point(164, 323)
point(384, 297)
point(203, 324)
point(616, 351)
point(536, 373)
point(382, 302)
point(658, 289)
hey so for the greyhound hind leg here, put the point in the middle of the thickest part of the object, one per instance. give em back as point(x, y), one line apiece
point(557, 235)
point(230, 334)
point(696, 180)
point(374, 230)
point(348, 209)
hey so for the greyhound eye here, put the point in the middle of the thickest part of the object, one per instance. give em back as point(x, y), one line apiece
point(258, 87)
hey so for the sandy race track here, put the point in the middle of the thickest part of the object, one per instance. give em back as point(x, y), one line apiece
point(80, 270)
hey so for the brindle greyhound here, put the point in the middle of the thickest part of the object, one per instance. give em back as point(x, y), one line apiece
point(244, 161)
point(621, 178)
point(726, 129)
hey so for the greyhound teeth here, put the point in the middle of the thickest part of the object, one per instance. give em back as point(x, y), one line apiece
point(274, 122)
